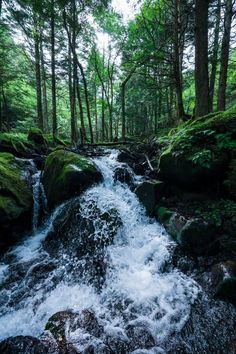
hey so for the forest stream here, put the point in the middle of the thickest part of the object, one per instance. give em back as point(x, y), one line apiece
point(99, 274)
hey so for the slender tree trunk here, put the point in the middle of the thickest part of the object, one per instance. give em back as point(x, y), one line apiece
point(72, 43)
point(177, 61)
point(54, 100)
point(201, 58)
point(155, 116)
point(38, 73)
point(72, 100)
point(86, 100)
point(96, 112)
point(103, 117)
point(123, 117)
point(44, 86)
point(225, 55)
point(214, 58)
point(81, 111)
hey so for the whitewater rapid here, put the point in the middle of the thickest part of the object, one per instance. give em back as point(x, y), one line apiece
point(141, 287)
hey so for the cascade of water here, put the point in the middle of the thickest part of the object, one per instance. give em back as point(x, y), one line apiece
point(36, 197)
point(140, 287)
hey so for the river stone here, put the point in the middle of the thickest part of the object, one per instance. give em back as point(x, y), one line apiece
point(149, 193)
point(195, 235)
point(23, 345)
point(122, 174)
point(16, 200)
point(223, 280)
point(67, 174)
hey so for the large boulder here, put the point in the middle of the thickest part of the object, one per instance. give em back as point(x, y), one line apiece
point(149, 193)
point(194, 235)
point(67, 174)
point(23, 345)
point(199, 154)
point(16, 200)
point(181, 170)
point(83, 234)
point(223, 281)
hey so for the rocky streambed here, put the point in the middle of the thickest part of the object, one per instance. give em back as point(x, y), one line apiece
point(99, 275)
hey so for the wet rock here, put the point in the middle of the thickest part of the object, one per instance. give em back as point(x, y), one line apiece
point(149, 194)
point(23, 345)
point(60, 323)
point(67, 174)
point(195, 235)
point(223, 278)
point(163, 214)
point(122, 174)
point(140, 337)
point(89, 322)
point(16, 200)
point(83, 239)
point(135, 160)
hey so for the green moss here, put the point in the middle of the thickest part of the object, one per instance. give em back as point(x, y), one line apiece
point(15, 143)
point(163, 214)
point(200, 149)
point(66, 174)
point(36, 136)
point(15, 195)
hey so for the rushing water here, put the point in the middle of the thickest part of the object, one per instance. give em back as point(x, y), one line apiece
point(141, 288)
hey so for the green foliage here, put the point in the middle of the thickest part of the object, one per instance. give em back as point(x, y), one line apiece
point(15, 195)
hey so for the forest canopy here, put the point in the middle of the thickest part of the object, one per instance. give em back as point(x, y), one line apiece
point(81, 71)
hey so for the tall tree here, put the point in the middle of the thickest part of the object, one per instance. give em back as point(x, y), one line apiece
point(214, 56)
point(53, 73)
point(201, 58)
point(224, 61)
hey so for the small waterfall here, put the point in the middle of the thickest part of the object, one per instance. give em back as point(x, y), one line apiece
point(141, 289)
point(36, 197)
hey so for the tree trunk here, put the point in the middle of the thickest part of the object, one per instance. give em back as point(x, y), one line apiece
point(225, 55)
point(214, 57)
point(44, 85)
point(72, 43)
point(81, 111)
point(38, 73)
point(103, 117)
point(72, 100)
point(86, 99)
point(54, 101)
point(123, 118)
point(1, 117)
point(0, 8)
point(96, 112)
point(201, 58)
point(177, 61)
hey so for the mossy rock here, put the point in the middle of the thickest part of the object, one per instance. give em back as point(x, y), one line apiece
point(15, 198)
point(67, 174)
point(16, 144)
point(149, 193)
point(199, 152)
point(163, 214)
point(36, 136)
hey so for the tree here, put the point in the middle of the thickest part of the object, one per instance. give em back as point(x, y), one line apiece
point(221, 105)
point(201, 58)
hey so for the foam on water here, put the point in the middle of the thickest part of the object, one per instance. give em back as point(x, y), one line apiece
point(137, 289)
